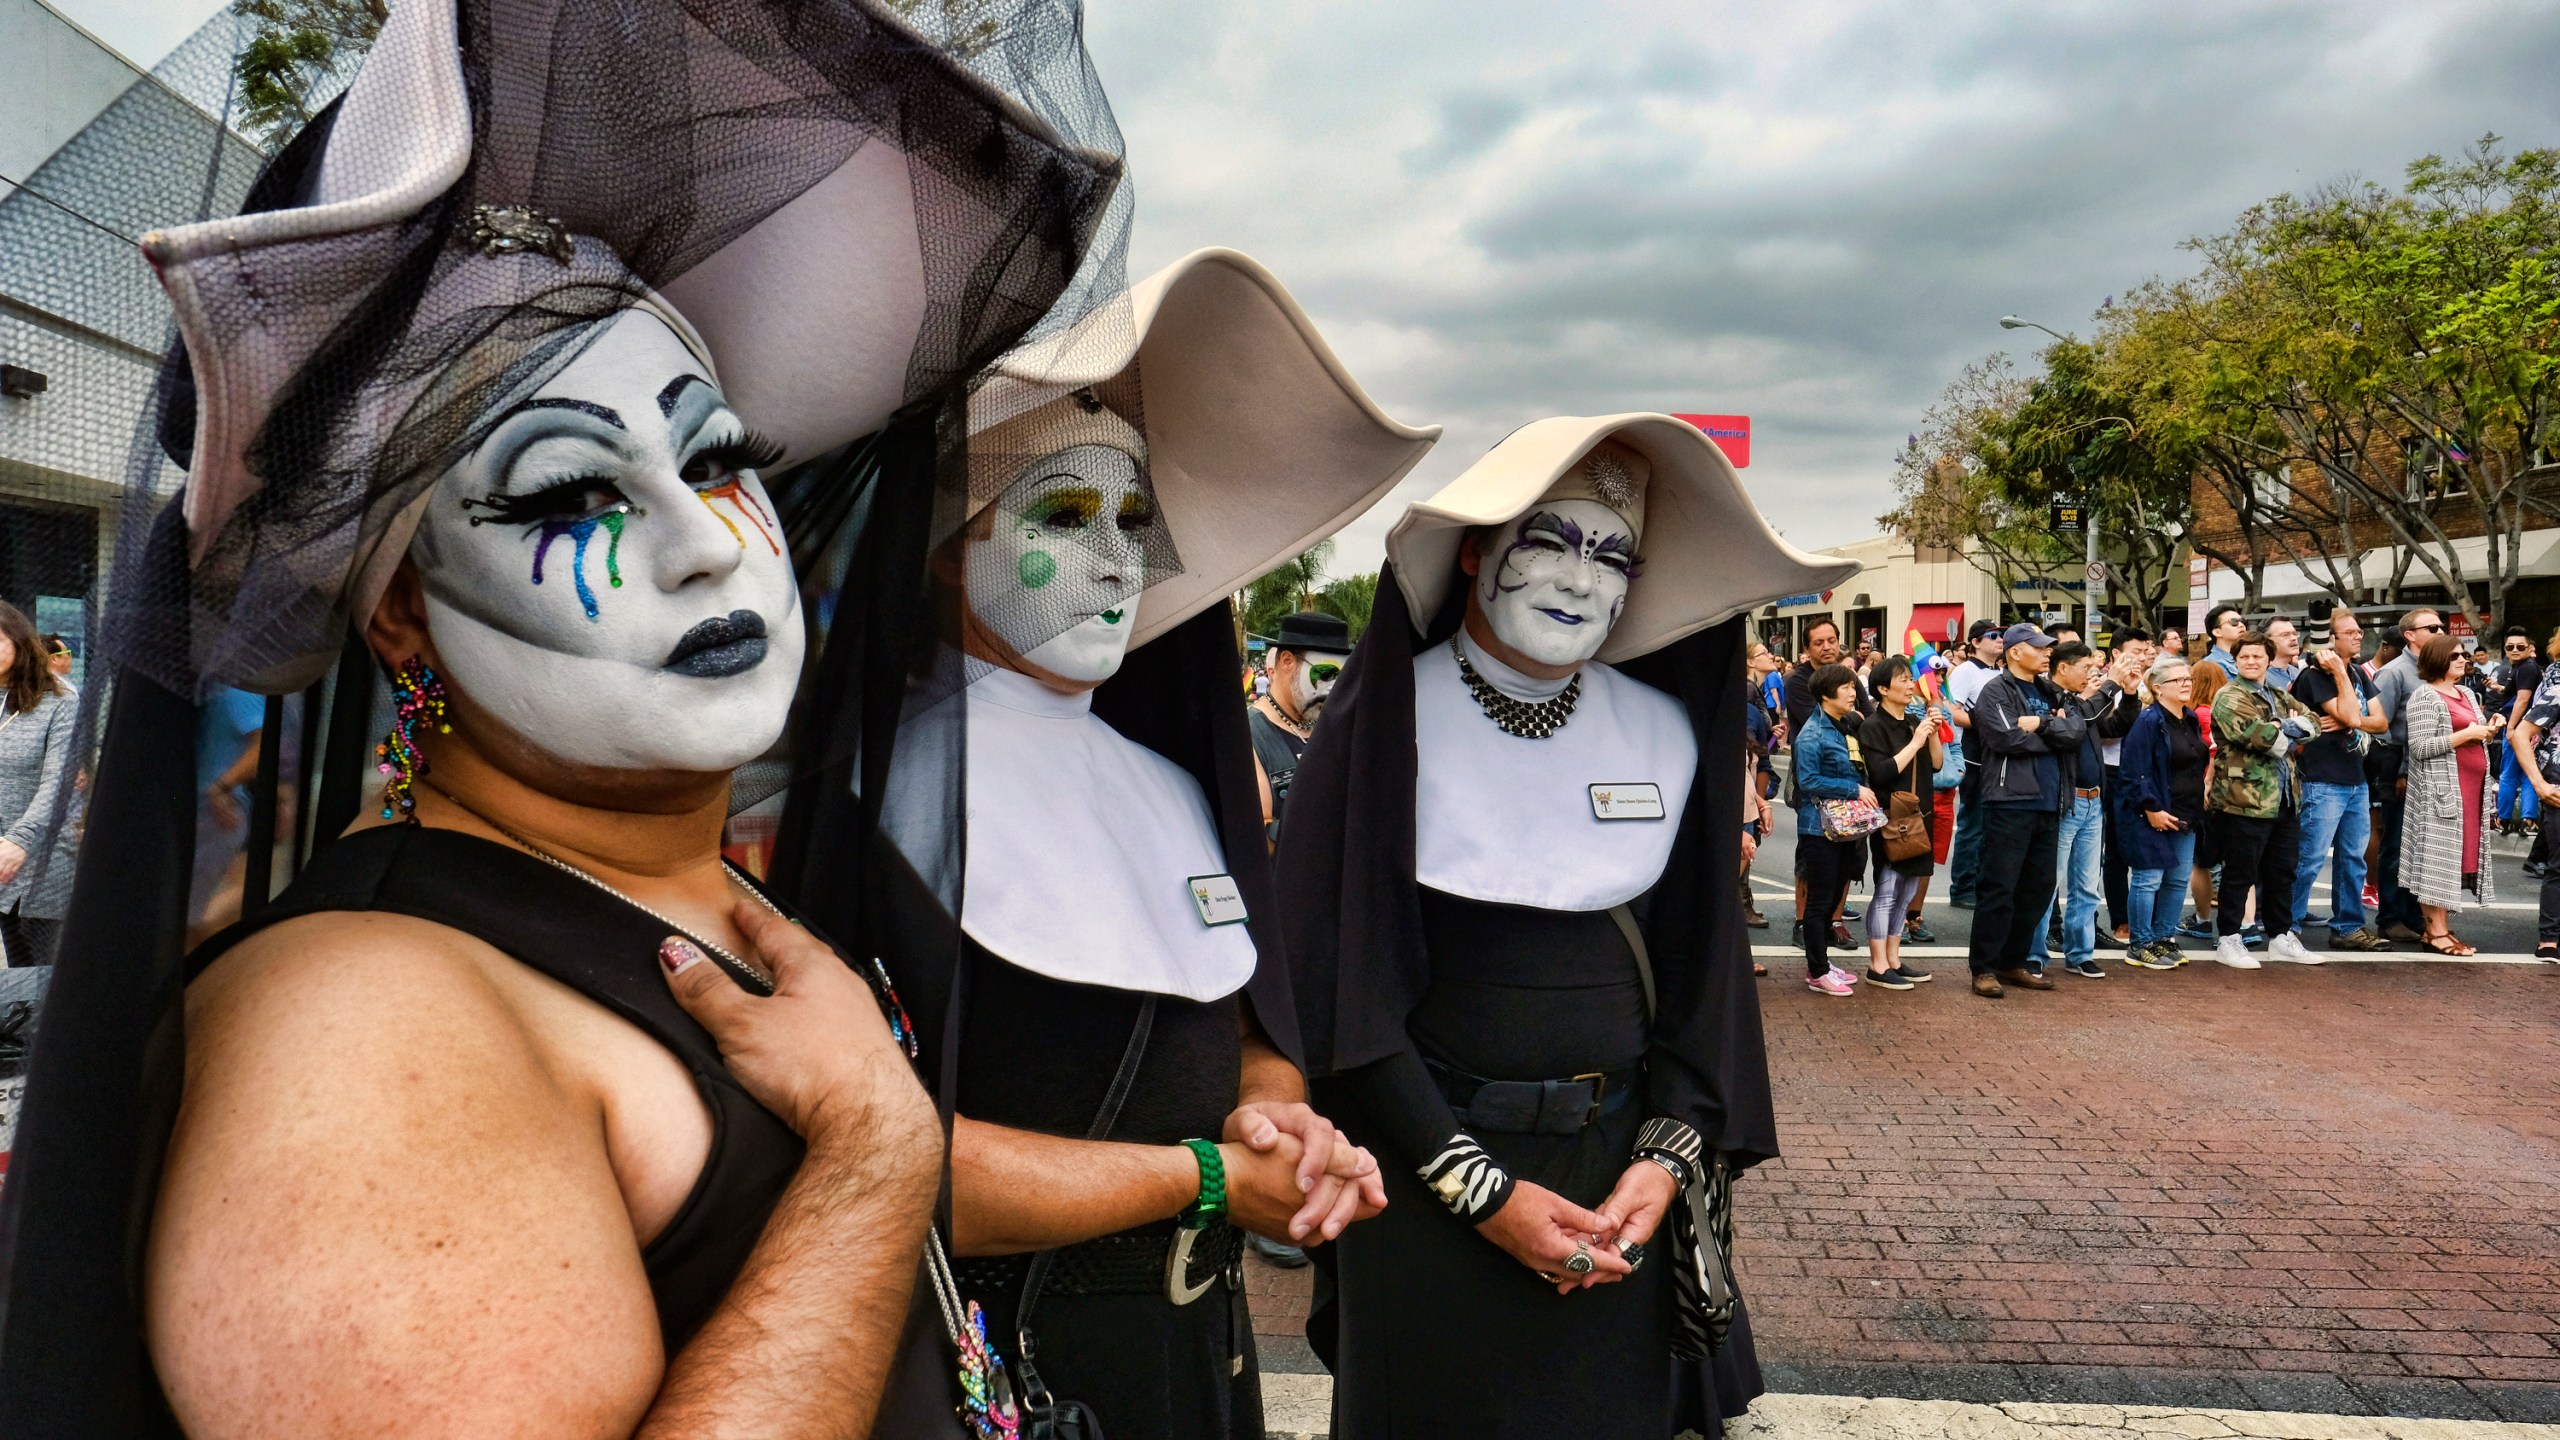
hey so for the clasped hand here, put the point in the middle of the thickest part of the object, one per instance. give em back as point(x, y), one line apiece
point(1296, 1174)
point(1542, 1229)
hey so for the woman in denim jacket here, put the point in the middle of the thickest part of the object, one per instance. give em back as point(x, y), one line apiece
point(1828, 768)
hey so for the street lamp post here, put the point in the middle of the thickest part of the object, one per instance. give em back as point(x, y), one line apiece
point(2088, 514)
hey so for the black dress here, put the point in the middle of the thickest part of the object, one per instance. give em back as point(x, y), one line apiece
point(607, 950)
point(1038, 1054)
point(1442, 1332)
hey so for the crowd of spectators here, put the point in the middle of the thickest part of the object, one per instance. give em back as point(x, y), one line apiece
point(2060, 784)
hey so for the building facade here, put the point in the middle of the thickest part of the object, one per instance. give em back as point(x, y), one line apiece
point(99, 152)
point(1935, 591)
point(2302, 541)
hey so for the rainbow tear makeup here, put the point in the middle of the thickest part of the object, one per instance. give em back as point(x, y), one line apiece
point(579, 532)
point(745, 504)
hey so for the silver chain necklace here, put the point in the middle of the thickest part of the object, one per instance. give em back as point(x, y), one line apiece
point(756, 981)
point(1528, 719)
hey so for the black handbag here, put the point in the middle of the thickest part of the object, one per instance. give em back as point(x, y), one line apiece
point(1701, 1221)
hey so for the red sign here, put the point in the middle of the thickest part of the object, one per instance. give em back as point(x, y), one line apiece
point(1941, 625)
point(1732, 434)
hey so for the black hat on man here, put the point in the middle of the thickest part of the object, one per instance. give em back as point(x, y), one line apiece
point(1313, 630)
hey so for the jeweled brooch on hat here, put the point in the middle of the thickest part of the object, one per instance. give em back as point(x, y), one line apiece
point(1612, 481)
point(516, 230)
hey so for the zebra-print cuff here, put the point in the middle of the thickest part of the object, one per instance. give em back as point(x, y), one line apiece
point(1670, 1140)
point(1466, 1179)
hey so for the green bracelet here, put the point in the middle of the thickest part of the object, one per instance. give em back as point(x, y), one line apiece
point(1211, 1207)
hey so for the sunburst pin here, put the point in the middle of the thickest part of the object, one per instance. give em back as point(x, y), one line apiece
point(1610, 480)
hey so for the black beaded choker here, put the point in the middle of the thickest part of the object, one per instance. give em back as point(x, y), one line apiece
point(1528, 719)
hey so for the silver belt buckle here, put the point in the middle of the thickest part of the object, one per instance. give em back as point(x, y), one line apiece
point(1177, 1268)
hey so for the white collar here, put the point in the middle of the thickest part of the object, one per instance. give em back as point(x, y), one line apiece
point(1503, 678)
point(1080, 844)
point(1509, 820)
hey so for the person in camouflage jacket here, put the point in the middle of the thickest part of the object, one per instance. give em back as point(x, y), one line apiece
point(2255, 799)
point(2249, 778)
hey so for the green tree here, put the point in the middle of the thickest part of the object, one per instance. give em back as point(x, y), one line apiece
point(297, 47)
point(1352, 597)
point(2400, 348)
point(1287, 588)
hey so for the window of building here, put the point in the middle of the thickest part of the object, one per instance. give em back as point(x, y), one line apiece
point(2271, 489)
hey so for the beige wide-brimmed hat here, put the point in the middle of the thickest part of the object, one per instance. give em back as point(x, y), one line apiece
point(1259, 442)
point(1707, 553)
point(802, 183)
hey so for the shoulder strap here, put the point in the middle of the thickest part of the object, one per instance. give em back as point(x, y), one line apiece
point(1626, 919)
point(1103, 1120)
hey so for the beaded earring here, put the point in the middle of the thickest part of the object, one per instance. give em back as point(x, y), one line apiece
point(419, 694)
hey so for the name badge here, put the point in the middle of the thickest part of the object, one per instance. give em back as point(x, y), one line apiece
point(1218, 899)
point(1641, 800)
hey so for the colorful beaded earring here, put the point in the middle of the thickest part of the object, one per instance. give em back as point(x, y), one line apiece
point(419, 693)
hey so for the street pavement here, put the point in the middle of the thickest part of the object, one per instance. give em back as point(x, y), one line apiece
point(2313, 1197)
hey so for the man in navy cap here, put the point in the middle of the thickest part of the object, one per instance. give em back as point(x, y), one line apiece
point(2022, 726)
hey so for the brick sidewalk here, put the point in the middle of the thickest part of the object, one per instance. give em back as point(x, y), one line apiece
point(2325, 1190)
point(2297, 1189)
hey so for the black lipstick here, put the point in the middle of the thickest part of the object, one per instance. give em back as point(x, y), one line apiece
point(727, 645)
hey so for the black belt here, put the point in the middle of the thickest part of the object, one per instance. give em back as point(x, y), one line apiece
point(1534, 1107)
point(1129, 1263)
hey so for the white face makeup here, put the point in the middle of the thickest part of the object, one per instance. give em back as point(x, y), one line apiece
point(1307, 691)
point(1059, 573)
point(1553, 581)
point(604, 576)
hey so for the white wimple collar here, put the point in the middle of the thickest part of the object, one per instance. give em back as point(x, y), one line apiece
point(1506, 819)
point(1080, 844)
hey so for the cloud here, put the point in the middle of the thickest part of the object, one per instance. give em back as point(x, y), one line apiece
point(1810, 213)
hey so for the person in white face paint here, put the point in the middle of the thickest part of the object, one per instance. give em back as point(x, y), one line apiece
point(1506, 893)
point(1128, 1096)
point(580, 1134)
point(1306, 660)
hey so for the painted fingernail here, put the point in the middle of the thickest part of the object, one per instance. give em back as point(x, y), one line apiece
point(676, 952)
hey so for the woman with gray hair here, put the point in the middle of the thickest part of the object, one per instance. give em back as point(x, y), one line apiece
point(2162, 794)
point(37, 711)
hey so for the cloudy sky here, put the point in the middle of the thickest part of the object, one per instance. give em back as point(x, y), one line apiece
point(1809, 213)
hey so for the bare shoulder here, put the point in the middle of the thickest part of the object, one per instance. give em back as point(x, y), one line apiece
point(380, 1193)
point(317, 973)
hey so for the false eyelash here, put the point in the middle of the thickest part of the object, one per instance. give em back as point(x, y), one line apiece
point(560, 500)
point(751, 450)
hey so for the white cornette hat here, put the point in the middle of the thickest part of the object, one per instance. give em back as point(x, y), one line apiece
point(1706, 551)
point(1259, 442)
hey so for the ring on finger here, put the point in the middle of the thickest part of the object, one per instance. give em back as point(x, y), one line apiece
point(1579, 1262)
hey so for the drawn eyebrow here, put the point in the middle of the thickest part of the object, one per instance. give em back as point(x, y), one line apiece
point(512, 440)
point(668, 397)
point(583, 407)
point(1563, 528)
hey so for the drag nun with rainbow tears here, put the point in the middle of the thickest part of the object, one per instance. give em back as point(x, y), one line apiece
point(1117, 1037)
point(1507, 892)
point(466, 399)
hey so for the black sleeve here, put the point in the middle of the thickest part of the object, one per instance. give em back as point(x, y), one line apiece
point(1877, 746)
point(2116, 721)
point(1419, 1134)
